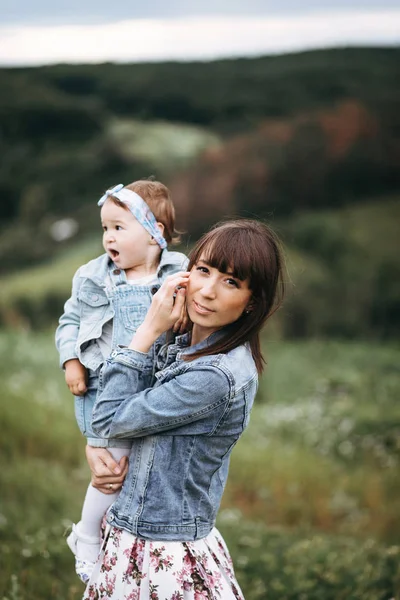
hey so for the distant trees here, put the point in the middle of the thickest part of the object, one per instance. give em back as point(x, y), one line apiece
point(302, 135)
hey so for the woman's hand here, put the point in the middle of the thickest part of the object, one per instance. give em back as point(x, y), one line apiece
point(183, 324)
point(106, 472)
point(165, 311)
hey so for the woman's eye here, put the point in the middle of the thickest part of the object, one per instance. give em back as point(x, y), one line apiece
point(233, 282)
point(202, 269)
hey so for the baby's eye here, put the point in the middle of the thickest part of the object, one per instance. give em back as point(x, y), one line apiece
point(104, 228)
point(118, 227)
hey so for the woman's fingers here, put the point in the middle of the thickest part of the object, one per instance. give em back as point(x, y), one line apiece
point(175, 281)
point(107, 474)
point(179, 304)
point(168, 301)
point(106, 488)
point(101, 463)
point(114, 480)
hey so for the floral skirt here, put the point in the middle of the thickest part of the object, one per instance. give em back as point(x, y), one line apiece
point(130, 568)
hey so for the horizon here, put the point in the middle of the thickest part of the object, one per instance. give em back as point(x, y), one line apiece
point(277, 54)
point(187, 38)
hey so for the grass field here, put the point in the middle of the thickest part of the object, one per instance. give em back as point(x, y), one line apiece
point(311, 510)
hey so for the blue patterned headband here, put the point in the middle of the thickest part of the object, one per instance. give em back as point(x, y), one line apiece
point(138, 208)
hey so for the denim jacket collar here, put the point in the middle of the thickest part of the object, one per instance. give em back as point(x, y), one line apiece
point(107, 267)
point(182, 342)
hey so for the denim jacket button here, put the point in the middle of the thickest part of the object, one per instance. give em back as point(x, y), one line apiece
point(117, 271)
point(154, 290)
point(113, 353)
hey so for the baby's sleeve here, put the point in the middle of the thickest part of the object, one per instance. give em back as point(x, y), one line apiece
point(68, 328)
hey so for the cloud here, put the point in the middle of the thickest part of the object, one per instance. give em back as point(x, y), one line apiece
point(75, 12)
point(195, 38)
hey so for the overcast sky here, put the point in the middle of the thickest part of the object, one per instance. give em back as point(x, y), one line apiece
point(47, 31)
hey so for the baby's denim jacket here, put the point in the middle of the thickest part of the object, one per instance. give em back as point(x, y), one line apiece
point(100, 293)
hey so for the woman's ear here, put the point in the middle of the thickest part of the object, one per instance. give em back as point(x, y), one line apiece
point(248, 308)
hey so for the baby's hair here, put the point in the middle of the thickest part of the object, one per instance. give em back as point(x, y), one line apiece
point(251, 251)
point(158, 198)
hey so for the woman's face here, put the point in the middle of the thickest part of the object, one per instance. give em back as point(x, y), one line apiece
point(214, 299)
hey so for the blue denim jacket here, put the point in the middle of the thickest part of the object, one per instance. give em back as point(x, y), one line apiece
point(183, 430)
point(89, 306)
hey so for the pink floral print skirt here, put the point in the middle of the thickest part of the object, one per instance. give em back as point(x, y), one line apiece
point(130, 568)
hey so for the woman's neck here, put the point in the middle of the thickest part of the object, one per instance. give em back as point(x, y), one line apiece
point(199, 334)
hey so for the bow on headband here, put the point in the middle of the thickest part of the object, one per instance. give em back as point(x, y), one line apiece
point(138, 207)
point(110, 192)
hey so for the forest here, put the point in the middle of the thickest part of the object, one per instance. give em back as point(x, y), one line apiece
point(309, 141)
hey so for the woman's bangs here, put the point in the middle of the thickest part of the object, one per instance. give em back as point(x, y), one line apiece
point(229, 253)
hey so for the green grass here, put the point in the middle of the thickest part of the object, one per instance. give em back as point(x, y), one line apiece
point(304, 516)
point(43, 475)
point(274, 564)
point(323, 447)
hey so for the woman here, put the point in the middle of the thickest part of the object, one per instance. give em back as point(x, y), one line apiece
point(160, 541)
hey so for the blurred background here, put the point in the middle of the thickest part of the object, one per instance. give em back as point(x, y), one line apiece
point(287, 114)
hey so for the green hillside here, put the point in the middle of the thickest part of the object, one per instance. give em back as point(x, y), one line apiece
point(345, 258)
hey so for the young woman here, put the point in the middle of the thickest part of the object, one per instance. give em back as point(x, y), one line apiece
point(161, 542)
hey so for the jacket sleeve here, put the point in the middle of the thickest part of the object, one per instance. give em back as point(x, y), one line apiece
point(125, 409)
point(69, 323)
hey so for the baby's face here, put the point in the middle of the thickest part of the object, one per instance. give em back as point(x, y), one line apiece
point(126, 242)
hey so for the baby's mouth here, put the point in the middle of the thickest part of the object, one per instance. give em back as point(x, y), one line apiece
point(113, 253)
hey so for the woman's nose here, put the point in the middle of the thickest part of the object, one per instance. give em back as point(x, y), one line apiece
point(208, 290)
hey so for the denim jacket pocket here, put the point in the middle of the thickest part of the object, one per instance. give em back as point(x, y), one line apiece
point(93, 303)
point(132, 316)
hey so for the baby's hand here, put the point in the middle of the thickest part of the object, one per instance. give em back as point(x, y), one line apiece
point(76, 377)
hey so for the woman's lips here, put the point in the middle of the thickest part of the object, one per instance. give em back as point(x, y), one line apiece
point(201, 309)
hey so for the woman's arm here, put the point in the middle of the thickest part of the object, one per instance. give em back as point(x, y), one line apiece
point(125, 410)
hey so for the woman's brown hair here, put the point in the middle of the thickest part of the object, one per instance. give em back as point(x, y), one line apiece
point(251, 251)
